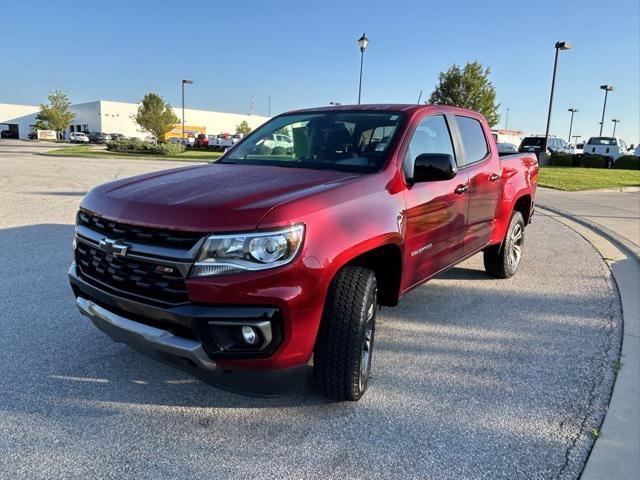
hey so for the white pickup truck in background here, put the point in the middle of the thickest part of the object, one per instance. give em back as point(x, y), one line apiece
point(609, 147)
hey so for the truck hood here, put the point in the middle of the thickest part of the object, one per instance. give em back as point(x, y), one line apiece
point(215, 197)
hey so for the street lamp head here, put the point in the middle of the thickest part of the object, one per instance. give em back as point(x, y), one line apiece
point(615, 120)
point(363, 41)
point(187, 82)
point(573, 110)
point(608, 88)
point(563, 45)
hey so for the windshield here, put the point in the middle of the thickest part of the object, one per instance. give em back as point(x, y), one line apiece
point(349, 141)
point(602, 141)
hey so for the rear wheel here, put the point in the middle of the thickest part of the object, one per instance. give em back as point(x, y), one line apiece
point(344, 348)
point(502, 260)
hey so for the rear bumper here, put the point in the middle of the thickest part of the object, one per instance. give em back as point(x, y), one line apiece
point(181, 337)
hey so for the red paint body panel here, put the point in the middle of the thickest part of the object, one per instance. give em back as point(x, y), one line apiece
point(345, 215)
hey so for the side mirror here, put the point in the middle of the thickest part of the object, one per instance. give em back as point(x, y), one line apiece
point(434, 167)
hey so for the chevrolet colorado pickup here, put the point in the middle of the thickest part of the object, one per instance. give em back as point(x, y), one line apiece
point(246, 271)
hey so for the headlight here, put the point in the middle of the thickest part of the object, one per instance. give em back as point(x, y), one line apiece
point(224, 254)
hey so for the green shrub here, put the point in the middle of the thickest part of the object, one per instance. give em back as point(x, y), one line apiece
point(593, 161)
point(279, 151)
point(167, 149)
point(627, 162)
point(576, 159)
point(129, 145)
point(561, 159)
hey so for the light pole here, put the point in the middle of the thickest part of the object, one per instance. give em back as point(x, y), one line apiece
point(184, 82)
point(607, 89)
point(363, 41)
point(615, 124)
point(269, 105)
point(559, 46)
point(506, 121)
point(572, 110)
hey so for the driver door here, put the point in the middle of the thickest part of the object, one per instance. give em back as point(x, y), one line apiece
point(435, 212)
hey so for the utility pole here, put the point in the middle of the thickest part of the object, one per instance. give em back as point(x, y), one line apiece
point(269, 105)
point(184, 82)
point(572, 110)
point(506, 122)
point(559, 46)
point(607, 89)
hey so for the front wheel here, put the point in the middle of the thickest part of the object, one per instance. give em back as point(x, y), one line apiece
point(501, 261)
point(342, 357)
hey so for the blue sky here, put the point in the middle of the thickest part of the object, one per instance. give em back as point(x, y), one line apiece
point(305, 54)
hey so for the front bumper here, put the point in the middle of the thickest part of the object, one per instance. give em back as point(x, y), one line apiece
point(182, 337)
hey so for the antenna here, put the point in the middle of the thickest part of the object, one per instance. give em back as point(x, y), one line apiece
point(419, 97)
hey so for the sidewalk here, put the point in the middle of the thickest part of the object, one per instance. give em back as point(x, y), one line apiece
point(610, 221)
point(616, 211)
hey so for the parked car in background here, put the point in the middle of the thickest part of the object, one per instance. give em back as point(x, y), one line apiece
point(609, 147)
point(535, 143)
point(240, 271)
point(507, 148)
point(201, 140)
point(636, 151)
point(99, 137)
point(221, 141)
point(577, 149)
point(278, 140)
point(78, 137)
point(117, 136)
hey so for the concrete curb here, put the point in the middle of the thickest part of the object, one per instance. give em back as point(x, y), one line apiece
point(615, 452)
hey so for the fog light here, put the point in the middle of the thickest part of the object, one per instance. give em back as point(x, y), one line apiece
point(249, 335)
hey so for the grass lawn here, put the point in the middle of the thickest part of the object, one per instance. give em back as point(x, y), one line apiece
point(87, 151)
point(574, 178)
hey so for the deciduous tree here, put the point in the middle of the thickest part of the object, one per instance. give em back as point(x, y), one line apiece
point(468, 87)
point(243, 127)
point(155, 115)
point(56, 115)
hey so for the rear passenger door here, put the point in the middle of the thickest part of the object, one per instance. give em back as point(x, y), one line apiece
point(485, 185)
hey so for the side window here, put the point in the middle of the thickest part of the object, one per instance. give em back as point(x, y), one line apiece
point(431, 136)
point(473, 140)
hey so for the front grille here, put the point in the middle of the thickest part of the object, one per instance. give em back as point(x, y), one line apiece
point(136, 234)
point(130, 277)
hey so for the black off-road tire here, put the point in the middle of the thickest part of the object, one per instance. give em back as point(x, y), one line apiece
point(342, 357)
point(501, 261)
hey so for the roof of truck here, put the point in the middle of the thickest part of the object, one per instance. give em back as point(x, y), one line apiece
point(390, 107)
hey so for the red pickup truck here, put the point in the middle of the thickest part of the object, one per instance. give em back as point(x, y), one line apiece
point(246, 270)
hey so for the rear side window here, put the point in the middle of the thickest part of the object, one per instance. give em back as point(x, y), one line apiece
point(473, 139)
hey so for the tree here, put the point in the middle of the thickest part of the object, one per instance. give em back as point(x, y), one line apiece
point(155, 115)
point(468, 87)
point(56, 115)
point(243, 127)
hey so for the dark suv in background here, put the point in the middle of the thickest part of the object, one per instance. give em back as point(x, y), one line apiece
point(535, 143)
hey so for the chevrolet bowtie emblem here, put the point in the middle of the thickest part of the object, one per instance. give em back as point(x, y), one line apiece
point(112, 247)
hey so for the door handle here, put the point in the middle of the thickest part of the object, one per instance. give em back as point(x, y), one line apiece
point(460, 189)
point(494, 177)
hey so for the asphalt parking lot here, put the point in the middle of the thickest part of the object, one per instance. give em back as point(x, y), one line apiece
point(473, 377)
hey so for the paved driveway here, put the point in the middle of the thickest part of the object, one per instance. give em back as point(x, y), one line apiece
point(473, 377)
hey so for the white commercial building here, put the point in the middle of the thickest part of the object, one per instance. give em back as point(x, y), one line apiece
point(118, 117)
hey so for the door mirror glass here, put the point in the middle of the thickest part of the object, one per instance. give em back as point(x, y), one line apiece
point(434, 167)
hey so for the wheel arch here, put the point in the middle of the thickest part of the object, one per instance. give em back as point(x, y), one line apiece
point(386, 262)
